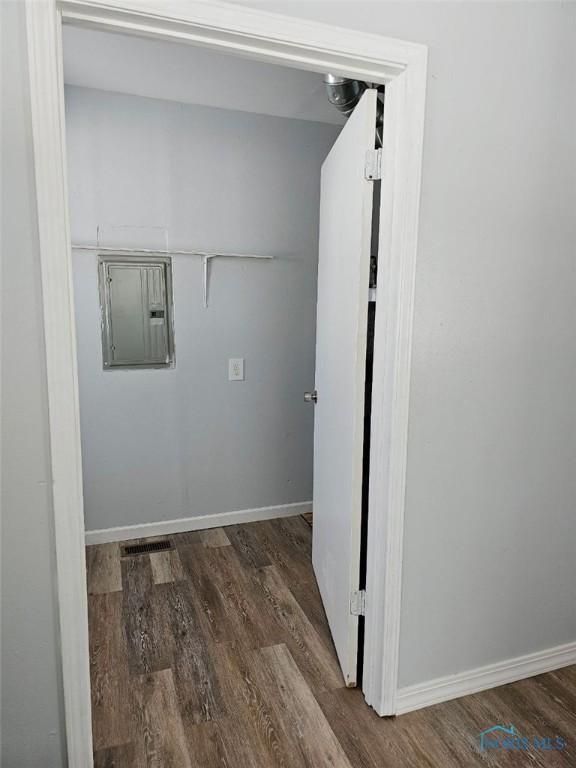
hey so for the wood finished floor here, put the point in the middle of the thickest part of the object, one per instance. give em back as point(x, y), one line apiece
point(217, 654)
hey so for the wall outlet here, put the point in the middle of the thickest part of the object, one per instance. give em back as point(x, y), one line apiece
point(236, 369)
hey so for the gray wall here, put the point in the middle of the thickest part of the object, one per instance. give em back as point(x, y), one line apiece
point(490, 536)
point(32, 723)
point(165, 444)
point(490, 548)
point(490, 556)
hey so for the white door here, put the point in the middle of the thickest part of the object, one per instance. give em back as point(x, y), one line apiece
point(343, 282)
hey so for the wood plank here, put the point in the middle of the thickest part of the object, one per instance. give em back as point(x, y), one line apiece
point(194, 674)
point(149, 641)
point(226, 699)
point(307, 594)
point(289, 541)
point(186, 538)
point(297, 534)
point(246, 540)
point(287, 544)
point(198, 568)
point(243, 615)
point(559, 686)
point(166, 567)
point(306, 721)
point(252, 618)
point(568, 674)
point(462, 720)
point(550, 703)
point(451, 735)
point(531, 719)
point(228, 743)
point(354, 734)
point(159, 721)
point(103, 568)
point(214, 537)
point(288, 547)
point(316, 661)
point(206, 746)
point(110, 685)
point(252, 701)
point(142, 540)
point(368, 740)
point(125, 756)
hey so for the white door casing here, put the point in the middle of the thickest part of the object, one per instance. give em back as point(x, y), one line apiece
point(282, 40)
point(341, 326)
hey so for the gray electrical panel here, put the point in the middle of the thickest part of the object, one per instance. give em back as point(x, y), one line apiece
point(137, 316)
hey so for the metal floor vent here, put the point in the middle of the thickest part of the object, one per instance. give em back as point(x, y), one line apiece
point(144, 549)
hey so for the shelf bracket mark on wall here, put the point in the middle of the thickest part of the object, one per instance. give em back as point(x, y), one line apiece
point(206, 265)
point(205, 256)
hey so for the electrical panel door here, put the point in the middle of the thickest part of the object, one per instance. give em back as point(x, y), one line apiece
point(136, 313)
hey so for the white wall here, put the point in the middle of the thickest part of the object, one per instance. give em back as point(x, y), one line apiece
point(32, 702)
point(190, 74)
point(490, 555)
point(490, 547)
point(165, 444)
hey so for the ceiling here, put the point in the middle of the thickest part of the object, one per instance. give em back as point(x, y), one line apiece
point(190, 74)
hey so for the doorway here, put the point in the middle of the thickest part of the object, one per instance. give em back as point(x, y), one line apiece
point(398, 251)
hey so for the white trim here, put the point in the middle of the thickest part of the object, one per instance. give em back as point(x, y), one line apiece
point(253, 33)
point(282, 40)
point(200, 523)
point(44, 32)
point(399, 205)
point(481, 679)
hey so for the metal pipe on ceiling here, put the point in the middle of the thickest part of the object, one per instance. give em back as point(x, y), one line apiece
point(344, 93)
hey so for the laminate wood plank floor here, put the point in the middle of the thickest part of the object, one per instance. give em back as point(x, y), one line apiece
point(216, 654)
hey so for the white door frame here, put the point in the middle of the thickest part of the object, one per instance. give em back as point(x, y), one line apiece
point(280, 40)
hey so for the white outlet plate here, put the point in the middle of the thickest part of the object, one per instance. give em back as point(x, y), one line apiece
point(236, 369)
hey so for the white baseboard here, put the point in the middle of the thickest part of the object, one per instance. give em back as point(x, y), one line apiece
point(465, 683)
point(165, 527)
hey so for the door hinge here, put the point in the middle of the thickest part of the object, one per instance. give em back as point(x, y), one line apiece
point(373, 166)
point(358, 603)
